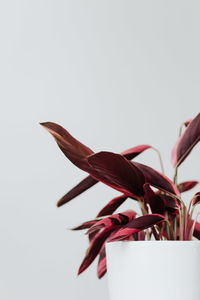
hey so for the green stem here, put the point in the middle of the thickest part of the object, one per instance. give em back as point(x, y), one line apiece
point(160, 159)
point(175, 227)
point(180, 224)
point(175, 175)
point(171, 233)
point(184, 222)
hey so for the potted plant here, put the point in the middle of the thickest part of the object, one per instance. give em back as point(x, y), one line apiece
point(156, 254)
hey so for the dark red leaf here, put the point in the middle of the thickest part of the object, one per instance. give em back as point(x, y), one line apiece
point(84, 185)
point(186, 186)
point(196, 199)
point(102, 267)
point(171, 204)
point(112, 206)
point(136, 225)
point(114, 220)
point(96, 245)
point(85, 225)
point(196, 232)
point(141, 235)
point(75, 151)
point(117, 172)
point(92, 235)
point(135, 151)
point(157, 179)
point(89, 181)
point(186, 142)
point(155, 202)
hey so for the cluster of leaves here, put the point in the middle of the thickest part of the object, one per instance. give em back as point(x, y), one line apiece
point(164, 216)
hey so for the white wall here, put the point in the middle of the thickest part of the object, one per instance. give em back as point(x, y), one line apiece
point(115, 74)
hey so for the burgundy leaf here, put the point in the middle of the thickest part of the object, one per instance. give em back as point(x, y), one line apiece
point(85, 225)
point(186, 186)
point(117, 172)
point(114, 220)
point(89, 181)
point(102, 267)
point(157, 179)
point(75, 151)
point(186, 142)
point(84, 185)
point(96, 245)
point(155, 202)
point(196, 232)
point(141, 235)
point(196, 199)
point(136, 225)
point(135, 151)
point(92, 235)
point(112, 206)
point(171, 204)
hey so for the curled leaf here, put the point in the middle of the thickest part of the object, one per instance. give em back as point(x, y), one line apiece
point(114, 220)
point(196, 232)
point(136, 225)
point(196, 199)
point(186, 142)
point(74, 150)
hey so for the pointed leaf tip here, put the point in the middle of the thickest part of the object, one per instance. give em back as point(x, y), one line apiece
point(186, 142)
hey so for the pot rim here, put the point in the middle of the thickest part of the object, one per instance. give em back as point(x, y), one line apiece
point(154, 242)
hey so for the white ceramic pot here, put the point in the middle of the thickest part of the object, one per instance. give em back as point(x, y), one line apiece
point(154, 270)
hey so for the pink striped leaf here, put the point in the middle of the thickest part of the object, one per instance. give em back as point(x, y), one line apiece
point(114, 220)
point(102, 267)
point(95, 247)
point(85, 225)
point(186, 186)
point(186, 142)
point(136, 225)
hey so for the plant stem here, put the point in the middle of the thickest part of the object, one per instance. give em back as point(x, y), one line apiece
point(155, 233)
point(184, 222)
point(193, 226)
point(175, 227)
point(180, 224)
point(171, 233)
point(160, 159)
point(175, 175)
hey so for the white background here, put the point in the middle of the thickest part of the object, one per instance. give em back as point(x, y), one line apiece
point(115, 74)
